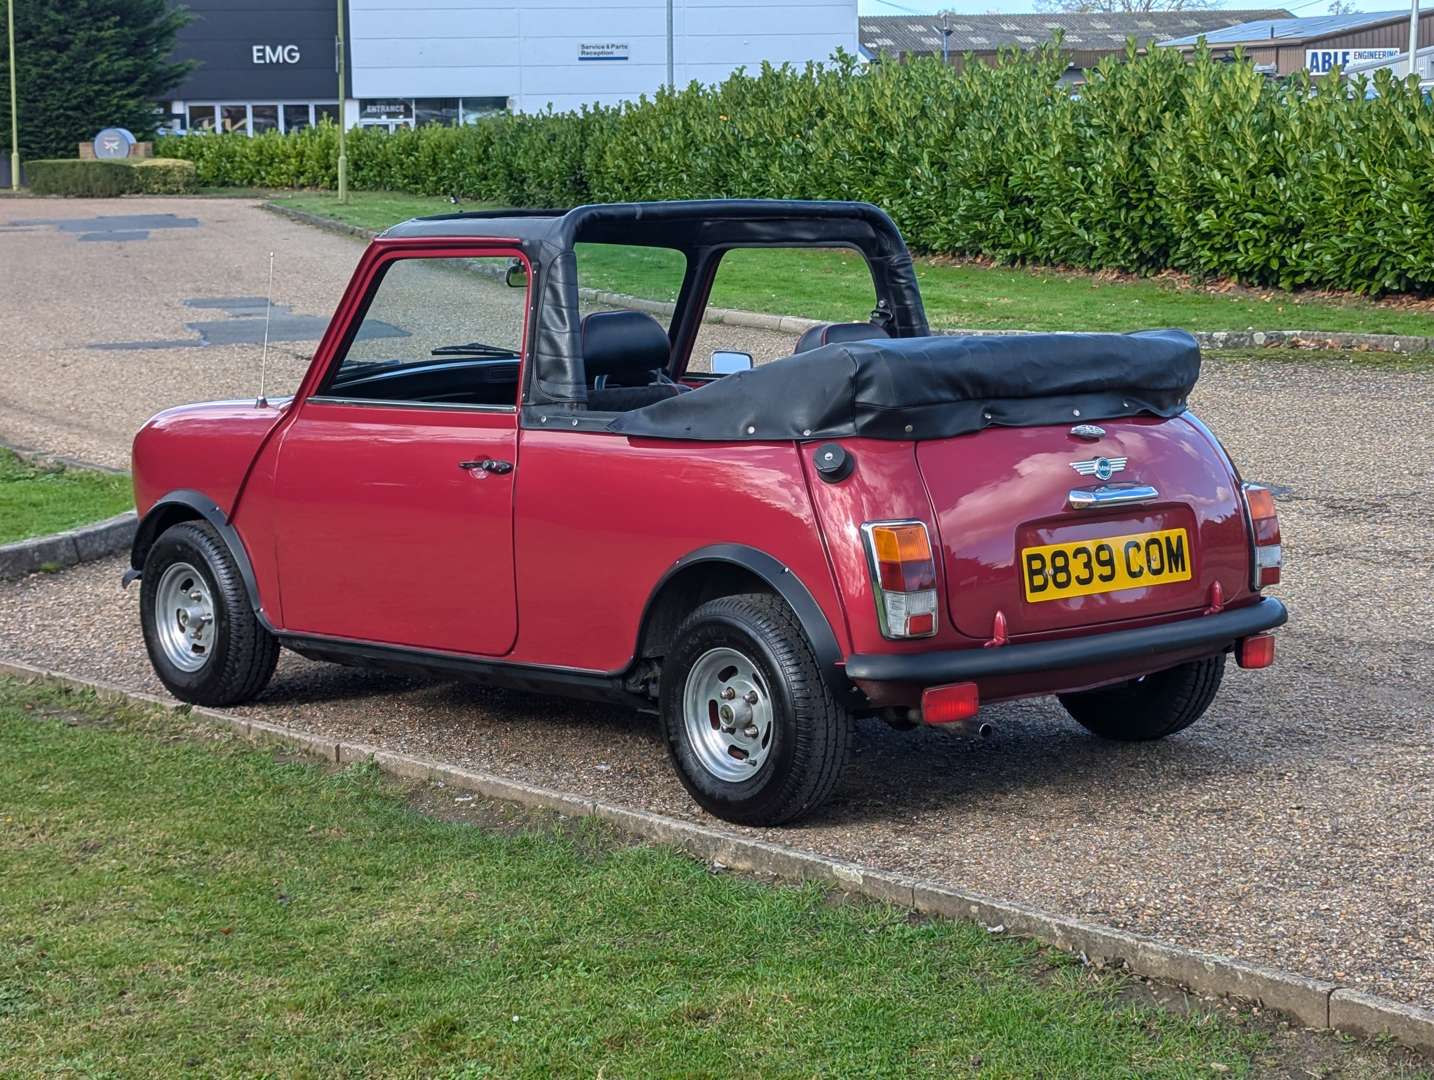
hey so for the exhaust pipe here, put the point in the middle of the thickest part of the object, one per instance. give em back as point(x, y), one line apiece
point(970, 726)
point(975, 729)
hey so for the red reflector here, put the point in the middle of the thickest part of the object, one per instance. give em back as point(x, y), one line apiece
point(1256, 652)
point(950, 704)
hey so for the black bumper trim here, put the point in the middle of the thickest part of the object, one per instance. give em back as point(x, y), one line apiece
point(958, 665)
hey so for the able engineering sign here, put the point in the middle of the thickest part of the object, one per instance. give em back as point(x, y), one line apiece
point(1323, 61)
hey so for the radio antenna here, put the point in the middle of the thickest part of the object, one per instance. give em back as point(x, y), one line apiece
point(263, 402)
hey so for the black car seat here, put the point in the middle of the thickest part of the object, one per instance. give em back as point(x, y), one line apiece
point(831, 333)
point(625, 356)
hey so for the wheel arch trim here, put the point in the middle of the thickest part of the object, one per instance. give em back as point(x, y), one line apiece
point(783, 582)
point(205, 508)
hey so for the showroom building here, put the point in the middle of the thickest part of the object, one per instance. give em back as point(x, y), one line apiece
point(261, 65)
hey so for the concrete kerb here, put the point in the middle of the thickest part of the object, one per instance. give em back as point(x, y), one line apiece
point(1311, 340)
point(1316, 1003)
point(59, 550)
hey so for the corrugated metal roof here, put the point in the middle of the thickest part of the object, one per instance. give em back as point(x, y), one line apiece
point(1289, 30)
point(908, 34)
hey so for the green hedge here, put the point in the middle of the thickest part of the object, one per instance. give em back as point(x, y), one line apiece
point(104, 179)
point(1158, 163)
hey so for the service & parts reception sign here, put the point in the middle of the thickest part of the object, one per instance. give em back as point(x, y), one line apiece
point(1323, 61)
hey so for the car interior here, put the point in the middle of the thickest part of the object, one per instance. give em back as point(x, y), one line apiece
point(626, 355)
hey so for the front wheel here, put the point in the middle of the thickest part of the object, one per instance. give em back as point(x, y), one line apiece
point(1150, 707)
point(204, 641)
point(750, 724)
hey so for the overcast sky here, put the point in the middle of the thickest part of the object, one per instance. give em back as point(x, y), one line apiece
point(976, 7)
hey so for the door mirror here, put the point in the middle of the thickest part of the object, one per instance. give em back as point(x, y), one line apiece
point(726, 363)
point(517, 275)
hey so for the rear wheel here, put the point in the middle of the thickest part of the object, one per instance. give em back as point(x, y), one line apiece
point(204, 641)
point(750, 723)
point(1150, 707)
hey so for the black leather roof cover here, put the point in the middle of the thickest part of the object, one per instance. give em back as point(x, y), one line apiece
point(933, 387)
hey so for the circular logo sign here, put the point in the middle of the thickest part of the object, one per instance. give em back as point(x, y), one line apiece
point(113, 143)
point(1103, 469)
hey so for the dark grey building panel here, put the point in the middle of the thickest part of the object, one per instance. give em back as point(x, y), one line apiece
point(278, 50)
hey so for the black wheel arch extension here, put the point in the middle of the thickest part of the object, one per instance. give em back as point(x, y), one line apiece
point(186, 505)
point(690, 581)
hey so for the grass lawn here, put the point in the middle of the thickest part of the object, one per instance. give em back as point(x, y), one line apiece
point(834, 286)
point(39, 499)
point(176, 900)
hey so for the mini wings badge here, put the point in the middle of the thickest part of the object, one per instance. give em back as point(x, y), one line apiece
point(1102, 468)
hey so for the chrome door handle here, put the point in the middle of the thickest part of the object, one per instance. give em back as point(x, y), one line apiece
point(488, 465)
point(1094, 498)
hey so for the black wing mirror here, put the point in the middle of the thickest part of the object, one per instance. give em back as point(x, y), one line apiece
point(517, 274)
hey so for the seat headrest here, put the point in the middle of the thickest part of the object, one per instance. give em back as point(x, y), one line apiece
point(626, 346)
point(831, 333)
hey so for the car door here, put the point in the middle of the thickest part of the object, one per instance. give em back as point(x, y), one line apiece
point(395, 479)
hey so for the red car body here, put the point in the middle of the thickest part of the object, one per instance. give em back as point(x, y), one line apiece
point(361, 540)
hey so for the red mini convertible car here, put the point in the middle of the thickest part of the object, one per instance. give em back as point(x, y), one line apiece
point(480, 477)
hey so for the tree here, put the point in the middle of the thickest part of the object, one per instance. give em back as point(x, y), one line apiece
point(86, 65)
point(1127, 7)
point(1342, 7)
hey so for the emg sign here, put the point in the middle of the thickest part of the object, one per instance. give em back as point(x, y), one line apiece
point(1323, 61)
point(276, 54)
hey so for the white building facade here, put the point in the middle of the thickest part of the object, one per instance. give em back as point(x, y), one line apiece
point(540, 53)
point(272, 64)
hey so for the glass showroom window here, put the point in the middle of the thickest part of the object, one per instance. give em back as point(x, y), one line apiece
point(297, 117)
point(263, 118)
point(202, 117)
point(436, 111)
point(234, 118)
point(328, 111)
point(476, 108)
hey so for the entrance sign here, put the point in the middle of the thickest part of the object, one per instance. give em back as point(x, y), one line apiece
point(113, 143)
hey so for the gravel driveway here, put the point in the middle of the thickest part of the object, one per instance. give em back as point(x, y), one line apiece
point(1293, 826)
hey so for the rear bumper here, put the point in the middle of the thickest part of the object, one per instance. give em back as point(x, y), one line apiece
point(1204, 632)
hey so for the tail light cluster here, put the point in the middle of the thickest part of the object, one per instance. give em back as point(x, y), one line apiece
point(903, 577)
point(1265, 528)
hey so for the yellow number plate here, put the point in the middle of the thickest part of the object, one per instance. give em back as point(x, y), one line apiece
point(1060, 571)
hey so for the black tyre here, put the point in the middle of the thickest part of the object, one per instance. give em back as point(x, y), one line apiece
point(1151, 707)
point(203, 639)
point(753, 729)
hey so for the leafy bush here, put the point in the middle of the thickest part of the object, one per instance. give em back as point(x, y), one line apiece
point(71, 176)
point(164, 176)
point(104, 179)
point(1160, 162)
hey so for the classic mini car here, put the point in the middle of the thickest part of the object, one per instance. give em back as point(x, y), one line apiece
point(486, 473)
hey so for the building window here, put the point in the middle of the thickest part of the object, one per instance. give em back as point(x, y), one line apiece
point(329, 112)
point(436, 111)
point(476, 108)
point(263, 118)
point(201, 118)
point(297, 117)
point(234, 118)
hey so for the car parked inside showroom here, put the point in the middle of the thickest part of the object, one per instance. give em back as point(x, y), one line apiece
point(487, 474)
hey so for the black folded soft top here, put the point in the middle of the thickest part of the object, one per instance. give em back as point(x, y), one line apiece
point(933, 388)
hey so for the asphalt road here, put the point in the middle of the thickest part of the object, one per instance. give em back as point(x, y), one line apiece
point(1292, 826)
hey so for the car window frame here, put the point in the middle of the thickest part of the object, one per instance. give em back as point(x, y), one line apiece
point(372, 281)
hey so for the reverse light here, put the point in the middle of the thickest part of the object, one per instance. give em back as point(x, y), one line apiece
point(903, 577)
point(1265, 527)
